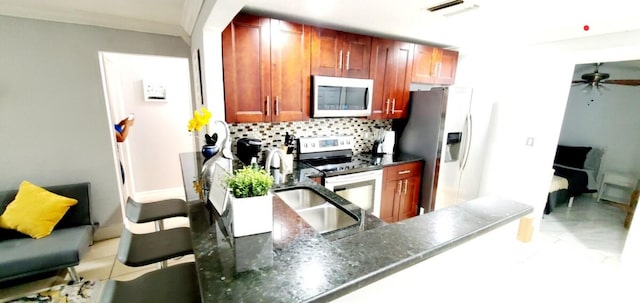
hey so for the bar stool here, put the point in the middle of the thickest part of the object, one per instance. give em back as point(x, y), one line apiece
point(156, 211)
point(173, 243)
point(177, 283)
point(159, 246)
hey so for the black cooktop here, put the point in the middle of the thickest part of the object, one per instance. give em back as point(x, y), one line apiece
point(342, 165)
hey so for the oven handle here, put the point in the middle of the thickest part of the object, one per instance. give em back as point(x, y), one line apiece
point(368, 175)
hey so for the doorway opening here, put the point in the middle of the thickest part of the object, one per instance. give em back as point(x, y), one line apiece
point(600, 117)
point(157, 90)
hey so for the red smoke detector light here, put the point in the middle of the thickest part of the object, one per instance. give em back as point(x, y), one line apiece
point(586, 28)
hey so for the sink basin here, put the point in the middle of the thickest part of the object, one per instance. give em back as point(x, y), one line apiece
point(316, 210)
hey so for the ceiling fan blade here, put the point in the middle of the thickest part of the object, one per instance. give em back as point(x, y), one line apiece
point(579, 81)
point(598, 89)
point(630, 82)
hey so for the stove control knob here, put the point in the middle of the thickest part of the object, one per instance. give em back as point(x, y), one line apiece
point(306, 145)
point(313, 145)
point(348, 141)
point(341, 142)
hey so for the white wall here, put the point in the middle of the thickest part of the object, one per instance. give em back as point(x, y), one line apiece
point(53, 119)
point(607, 120)
point(214, 17)
point(160, 130)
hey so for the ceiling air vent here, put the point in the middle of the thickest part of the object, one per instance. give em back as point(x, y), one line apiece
point(449, 8)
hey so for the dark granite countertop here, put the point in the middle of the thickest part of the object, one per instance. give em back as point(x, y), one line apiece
point(294, 263)
point(392, 159)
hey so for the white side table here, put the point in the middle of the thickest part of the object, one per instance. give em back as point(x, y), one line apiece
point(617, 187)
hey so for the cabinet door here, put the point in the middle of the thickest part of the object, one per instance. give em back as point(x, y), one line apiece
point(410, 195)
point(390, 198)
point(382, 63)
point(356, 52)
point(246, 63)
point(434, 65)
point(403, 63)
point(447, 65)
point(424, 64)
point(290, 78)
point(326, 46)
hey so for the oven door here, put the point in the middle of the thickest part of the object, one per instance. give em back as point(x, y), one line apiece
point(362, 189)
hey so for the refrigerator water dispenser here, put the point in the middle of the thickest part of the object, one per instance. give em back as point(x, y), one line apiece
point(453, 147)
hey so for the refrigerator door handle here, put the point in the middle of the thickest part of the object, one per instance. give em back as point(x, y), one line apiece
point(467, 144)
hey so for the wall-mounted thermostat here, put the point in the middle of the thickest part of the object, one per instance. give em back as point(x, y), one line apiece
point(154, 91)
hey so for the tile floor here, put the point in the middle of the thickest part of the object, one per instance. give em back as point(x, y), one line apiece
point(596, 228)
point(575, 248)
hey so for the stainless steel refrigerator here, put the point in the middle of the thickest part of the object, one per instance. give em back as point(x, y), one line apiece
point(441, 129)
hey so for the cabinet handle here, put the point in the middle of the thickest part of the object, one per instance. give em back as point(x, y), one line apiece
point(438, 67)
point(406, 181)
point(277, 107)
point(348, 55)
point(393, 108)
point(399, 187)
point(268, 105)
point(404, 172)
point(340, 61)
point(387, 111)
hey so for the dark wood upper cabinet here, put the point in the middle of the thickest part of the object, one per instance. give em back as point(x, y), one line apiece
point(339, 54)
point(391, 66)
point(290, 74)
point(266, 70)
point(268, 63)
point(447, 68)
point(246, 48)
point(433, 65)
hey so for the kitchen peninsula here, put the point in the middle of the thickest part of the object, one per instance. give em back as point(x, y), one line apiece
point(295, 263)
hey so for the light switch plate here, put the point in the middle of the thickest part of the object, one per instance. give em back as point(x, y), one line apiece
point(154, 91)
point(530, 141)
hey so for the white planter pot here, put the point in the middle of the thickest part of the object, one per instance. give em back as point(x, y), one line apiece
point(252, 215)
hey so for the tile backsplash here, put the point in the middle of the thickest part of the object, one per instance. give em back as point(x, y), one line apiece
point(272, 134)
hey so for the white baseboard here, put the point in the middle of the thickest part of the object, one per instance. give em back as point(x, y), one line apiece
point(108, 232)
point(160, 194)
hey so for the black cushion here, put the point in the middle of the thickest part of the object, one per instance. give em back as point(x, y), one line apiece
point(8, 234)
point(177, 283)
point(572, 156)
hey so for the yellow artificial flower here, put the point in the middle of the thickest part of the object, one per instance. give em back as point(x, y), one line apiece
point(197, 186)
point(199, 120)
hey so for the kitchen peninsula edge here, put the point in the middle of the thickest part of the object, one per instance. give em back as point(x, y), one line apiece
point(296, 264)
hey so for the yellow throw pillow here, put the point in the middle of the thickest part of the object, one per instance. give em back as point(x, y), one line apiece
point(35, 211)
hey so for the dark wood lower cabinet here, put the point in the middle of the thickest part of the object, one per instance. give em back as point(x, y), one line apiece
point(400, 191)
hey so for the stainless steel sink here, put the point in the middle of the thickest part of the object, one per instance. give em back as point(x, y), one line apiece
point(316, 210)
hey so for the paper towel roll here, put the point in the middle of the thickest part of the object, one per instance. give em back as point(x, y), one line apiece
point(389, 142)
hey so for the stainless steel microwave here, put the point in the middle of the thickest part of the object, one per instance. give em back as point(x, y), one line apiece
point(341, 97)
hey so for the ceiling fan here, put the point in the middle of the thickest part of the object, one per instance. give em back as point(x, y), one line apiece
point(596, 79)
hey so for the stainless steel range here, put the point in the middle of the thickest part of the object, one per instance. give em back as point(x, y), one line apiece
point(351, 176)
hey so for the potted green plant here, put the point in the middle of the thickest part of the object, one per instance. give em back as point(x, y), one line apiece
point(251, 201)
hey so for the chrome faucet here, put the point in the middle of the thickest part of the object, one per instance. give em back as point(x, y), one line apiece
point(278, 172)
